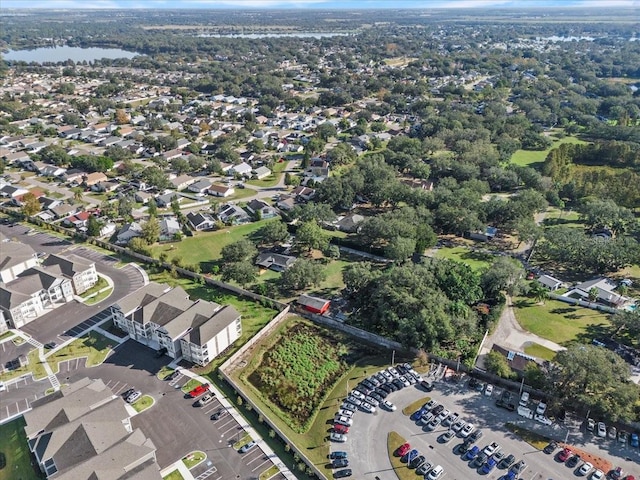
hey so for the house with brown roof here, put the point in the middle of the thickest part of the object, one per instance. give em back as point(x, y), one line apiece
point(94, 178)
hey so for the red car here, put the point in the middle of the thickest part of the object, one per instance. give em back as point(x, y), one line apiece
point(340, 428)
point(199, 390)
point(403, 449)
point(565, 454)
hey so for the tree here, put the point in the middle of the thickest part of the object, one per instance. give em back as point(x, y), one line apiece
point(400, 248)
point(93, 226)
point(242, 272)
point(326, 130)
point(594, 378)
point(497, 364)
point(77, 193)
point(504, 274)
point(240, 251)
point(320, 212)
point(342, 154)
point(302, 274)
point(151, 230)
point(152, 207)
point(175, 206)
point(538, 291)
point(125, 207)
point(606, 214)
point(310, 235)
point(593, 294)
point(273, 232)
point(30, 204)
point(624, 321)
point(140, 245)
point(358, 274)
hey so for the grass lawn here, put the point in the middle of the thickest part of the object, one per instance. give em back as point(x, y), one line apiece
point(7, 334)
point(394, 440)
point(100, 284)
point(527, 157)
point(414, 406)
point(560, 322)
point(13, 444)
point(273, 179)
point(143, 403)
point(164, 372)
point(97, 298)
point(175, 475)
point(537, 350)
point(534, 439)
point(34, 366)
point(18, 340)
point(269, 472)
point(246, 438)
point(94, 346)
point(193, 459)
point(476, 260)
point(190, 385)
point(205, 247)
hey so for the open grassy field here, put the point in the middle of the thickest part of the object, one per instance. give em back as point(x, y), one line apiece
point(13, 445)
point(568, 218)
point(273, 179)
point(94, 346)
point(560, 322)
point(527, 157)
point(476, 260)
point(204, 247)
point(537, 350)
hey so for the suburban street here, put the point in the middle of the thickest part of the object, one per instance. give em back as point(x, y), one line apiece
point(367, 438)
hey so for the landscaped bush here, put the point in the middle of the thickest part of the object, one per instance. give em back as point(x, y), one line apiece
point(296, 372)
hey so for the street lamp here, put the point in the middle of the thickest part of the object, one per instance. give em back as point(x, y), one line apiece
point(393, 357)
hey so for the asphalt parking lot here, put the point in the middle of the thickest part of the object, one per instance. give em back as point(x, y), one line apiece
point(174, 425)
point(19, 394)
point(10, 351)
point(367, 438)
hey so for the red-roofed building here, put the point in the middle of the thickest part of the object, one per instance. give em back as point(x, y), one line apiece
point(314, 304)
point(78, 220)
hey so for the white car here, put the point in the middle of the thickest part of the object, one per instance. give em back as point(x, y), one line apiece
point(602, 429)
point(386, 375)
point(367, 407)
point(393, 372)
point(435, 473)
point(597, 475)
point(542, 407)
point(357, 394)
point(443, 414)
point(585, 468)
point(542, 419)
point(338, 437)
point(467, 430)
point(451, 419)
point(134, 396)
point(490, 449)
point(371, 400)
point(343, 412)
point(356, 401)
point(388, 405)
point(346, 421)
point(3, 387)
point(489, 390)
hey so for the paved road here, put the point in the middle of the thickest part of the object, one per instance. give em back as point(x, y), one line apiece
point(367, 446)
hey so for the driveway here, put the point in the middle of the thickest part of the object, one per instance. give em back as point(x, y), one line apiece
point(367, 439)
point(174, 425)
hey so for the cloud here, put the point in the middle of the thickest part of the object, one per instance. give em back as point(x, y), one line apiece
point(257, 3)
point(468, 3)
point(59, 4)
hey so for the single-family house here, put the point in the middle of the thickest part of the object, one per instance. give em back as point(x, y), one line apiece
point(51, 170)
point(105, 187)
point(518, 361)
point(73, 175)
point(318, 168)
point(201, 221)
point(219, 190)
point(233, 214)
point(165, 199)
point(243, 169)
point(487, 235)
point(274, 261)
point(9, 191)
point(550, 282)
point(314, 304)
point(77, 220)
point(94, 178)
point(286, 203)
point(201, 186)
point(418, 183)
point(127, 232)
point(183, 181)
point(349, 223)
point(142, 197)
point(605, 289)
point(303, 193)
point(47, 203)
point(64, 210)
point(261, 209)
point(261, 172)
point(169, 227)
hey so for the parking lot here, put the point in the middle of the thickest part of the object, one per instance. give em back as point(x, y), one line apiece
point(173, 423)
point(19, 395)
point(367, 438)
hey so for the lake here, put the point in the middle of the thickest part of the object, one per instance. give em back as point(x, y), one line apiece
point(64, 53)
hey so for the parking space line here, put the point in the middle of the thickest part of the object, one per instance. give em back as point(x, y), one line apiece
point(259, 457)
point(230, 429)
point(260, 466)
point(225, 423)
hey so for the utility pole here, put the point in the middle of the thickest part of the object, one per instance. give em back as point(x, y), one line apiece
point(393, 357)
point(521, 386)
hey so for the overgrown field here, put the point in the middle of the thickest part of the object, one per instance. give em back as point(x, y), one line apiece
point(296, 371)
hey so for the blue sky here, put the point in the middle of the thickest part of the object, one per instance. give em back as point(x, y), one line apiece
point(320, 4)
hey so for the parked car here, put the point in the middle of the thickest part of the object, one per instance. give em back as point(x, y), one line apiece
point(585, 468)
point(247, 446)
point(410, 455)
point(591, 424)
point(173, 375)
point(417, 462)
point(427, 385)
point(542, 419)
point(433, 424)
point(616, 473)
point(348, 406)
point(340, 428)
point(343, 473)
point(134, 396)
point(367, 407)
point(346, 421)
point(206, 399)
point(519, 467)
point(424, 468)
point(128, 392)
point(489, 465)
point(573, 461)
point(473, 453)
point(623, 437)
point(479, 460)
point(388, 405)
point(219, 414)
point(199, 390)
point(498, 456)
point(354, 400)
point(451, 419)
point(403, 449)
point(357, 394)
point(541, 408)
point(634, 440)
point(431, 404)
point(435, 473)
point(467, 430)
point(488, 391)
point(597, 475)
point(459, 425)
point(565, 454)
point(612, 433)
point(340, 463)
point(551, 447)
point(492, 448)
point(343, 412)
point(447, 436)
point(602, 429)
point(337, 454)
point(337, 437)
point(475, 436)
point(507, 461)
point(442, 415)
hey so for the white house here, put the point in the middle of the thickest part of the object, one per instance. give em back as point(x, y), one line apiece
point(168, 228)
point(201, 221)
point(243, 169)
point(261, 172)
point(127, 232)
point(221, 190)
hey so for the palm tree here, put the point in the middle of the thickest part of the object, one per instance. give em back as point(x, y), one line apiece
point(539, 292)
point(593, 295)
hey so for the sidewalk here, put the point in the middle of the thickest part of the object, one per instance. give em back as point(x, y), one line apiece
point(241, 421)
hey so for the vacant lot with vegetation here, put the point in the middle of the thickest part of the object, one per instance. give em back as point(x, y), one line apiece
point(476, 260)
point(298, 368)
point(560, 322)
point(529, 157)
